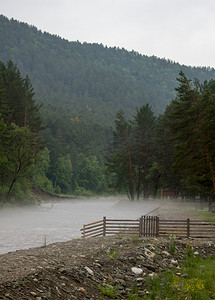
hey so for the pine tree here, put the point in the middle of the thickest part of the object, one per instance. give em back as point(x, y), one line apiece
point(191, 119)
point(131, 155)
point(144, 126)
point(120, 159)
point(20, 143)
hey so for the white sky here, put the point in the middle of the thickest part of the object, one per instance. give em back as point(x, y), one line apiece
point(180, 30)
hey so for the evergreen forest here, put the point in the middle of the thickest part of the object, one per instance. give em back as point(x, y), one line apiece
point(85, 119)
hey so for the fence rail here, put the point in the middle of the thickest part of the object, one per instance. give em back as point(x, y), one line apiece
point(150, 226)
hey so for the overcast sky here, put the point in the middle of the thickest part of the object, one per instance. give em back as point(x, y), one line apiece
point(180, 30)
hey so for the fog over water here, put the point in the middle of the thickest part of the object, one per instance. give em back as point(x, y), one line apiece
point(27, 227)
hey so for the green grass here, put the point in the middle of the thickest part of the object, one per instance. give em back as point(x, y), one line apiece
point(109, 290)
point(135, 239)
point(198, 284)
point(206, 215)
point(112, 253)
point(172, 249)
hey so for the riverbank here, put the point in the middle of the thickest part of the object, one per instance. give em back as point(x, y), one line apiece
point(93, 268)
point(79, 268)
point(76, 269)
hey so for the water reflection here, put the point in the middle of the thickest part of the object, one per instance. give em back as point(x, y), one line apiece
point(59, 221)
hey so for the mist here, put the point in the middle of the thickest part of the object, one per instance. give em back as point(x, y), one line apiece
point(27, 227)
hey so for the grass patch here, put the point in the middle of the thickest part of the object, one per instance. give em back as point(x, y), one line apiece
point(196, 280)
point(112, 253)
point(172, 248)
point(199, 284)
point(207, 215)
point(109, 290)
point(135, 239)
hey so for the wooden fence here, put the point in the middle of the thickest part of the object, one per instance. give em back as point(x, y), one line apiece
point(150, 226)
point(187, 228)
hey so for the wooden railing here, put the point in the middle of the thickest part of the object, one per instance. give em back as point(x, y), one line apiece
point(187, 228)
point(150, 226)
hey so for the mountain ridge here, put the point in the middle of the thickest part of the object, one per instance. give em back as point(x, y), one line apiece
point(90, 81)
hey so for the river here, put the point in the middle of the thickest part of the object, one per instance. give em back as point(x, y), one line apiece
point(58, 221)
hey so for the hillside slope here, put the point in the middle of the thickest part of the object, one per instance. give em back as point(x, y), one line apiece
point(89, 80)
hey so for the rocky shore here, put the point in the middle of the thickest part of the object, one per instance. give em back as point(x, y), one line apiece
point(83, 269)
point(86, 269)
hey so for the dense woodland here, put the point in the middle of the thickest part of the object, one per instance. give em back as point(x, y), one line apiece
point(87, 119)
point(175, 150)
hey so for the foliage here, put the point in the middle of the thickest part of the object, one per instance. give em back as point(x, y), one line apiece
point(131, 155)
point(89, 174)
point(172, 245)
point(192, 122)
point(134, 293)
point(19, 129)
point(93, 82)
point(62, 173)
point(199, 284)
point(207, 216)
point(112, 253)
point(41, 168)
point(109, 290)
point(82, 87)
point(135, 239)
point(164, 157)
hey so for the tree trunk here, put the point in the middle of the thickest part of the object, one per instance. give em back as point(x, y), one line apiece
point(10, 189)
point(131, 181)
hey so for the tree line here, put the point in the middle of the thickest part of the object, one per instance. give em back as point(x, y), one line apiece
point(175, 150)
point(32, 158)
point(140, 157)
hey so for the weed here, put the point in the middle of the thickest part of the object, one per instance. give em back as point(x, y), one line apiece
point(199, 284)
point(155, 258)
point(21, 282)
point(189, 251)
point(189, 256)
point(112, 253)
point(134, 294)
point(109, 290)
point(118, 237)
point(135, 239)
point(44, 243)
point(172, 244)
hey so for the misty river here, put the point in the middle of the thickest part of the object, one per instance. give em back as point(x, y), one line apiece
point(58, 221)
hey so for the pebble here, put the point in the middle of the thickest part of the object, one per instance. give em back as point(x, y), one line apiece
point(139, 279)
point(83, 291)
point(137, 271)
point(165, 253)
point(89, 270)
point(174, 262)
point(120, 281)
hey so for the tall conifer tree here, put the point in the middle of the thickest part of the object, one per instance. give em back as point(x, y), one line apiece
point(19, 137)
point(192, 122)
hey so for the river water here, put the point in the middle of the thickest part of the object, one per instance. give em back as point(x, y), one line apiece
point(57, 221)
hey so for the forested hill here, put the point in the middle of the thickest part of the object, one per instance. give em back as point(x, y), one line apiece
point(90, 81)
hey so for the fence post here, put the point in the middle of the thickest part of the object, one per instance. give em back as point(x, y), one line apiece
point(157, 226)
point(141, 226)
point(188, 228)
point(83, 231)
point(144, 226)
point(104, 226)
